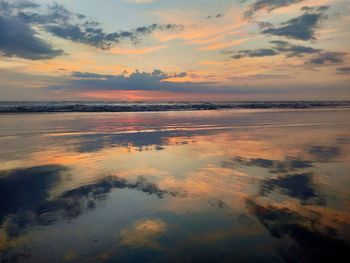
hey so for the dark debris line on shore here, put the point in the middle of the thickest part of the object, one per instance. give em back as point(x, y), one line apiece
point(33, 107)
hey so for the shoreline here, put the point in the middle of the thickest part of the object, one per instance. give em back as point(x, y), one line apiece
point(62, 107)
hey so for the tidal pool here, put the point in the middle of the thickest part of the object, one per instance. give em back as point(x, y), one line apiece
point(203, 186)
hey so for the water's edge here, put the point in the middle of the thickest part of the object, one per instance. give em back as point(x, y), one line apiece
point(33, 107)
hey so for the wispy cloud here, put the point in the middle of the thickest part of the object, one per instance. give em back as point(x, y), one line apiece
point(267, 5)
point(224, 44)
point(136, 51)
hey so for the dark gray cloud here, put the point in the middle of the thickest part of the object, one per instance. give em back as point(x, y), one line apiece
point(95, 36)
point(321, 8)
point(279, 47)
point(293, 50)
point(328, 57)
point(268, 5)
point(33, 13)
point(318, 56)
point(343, 69)
point(88, 75)
point(21, 20)
point(155, 80)
point(65, 24)
point(302, 27)
point(262, 52)
point(156, 75)
point(18, 39)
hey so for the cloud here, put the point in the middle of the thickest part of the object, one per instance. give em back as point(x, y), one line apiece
point(155, 75)
point(54, 13)
point(343, 69)
point(328, 57)
point(65, 24)
point(320, 56)
point(267, 5)
point(22, 20)
point(293, 50)
point(302, 27)
point(264, 24)
point(159, 83)
point(136, 51)
point(279, 47)
point(18, 39)
point(260, 86)
point(19, 4)
point(88, 75)
point(156, 80)
point(262, 52)
point(95, 36)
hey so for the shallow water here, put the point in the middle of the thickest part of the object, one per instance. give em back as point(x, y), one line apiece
point(218, 186)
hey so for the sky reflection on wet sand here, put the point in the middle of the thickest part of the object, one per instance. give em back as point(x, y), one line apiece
point(244, 185)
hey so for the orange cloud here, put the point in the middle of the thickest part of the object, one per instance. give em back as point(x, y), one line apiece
point(141, 51)
point(199, 31)
point(224, 44)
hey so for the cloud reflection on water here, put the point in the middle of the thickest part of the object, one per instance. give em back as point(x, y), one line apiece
point(206, 187)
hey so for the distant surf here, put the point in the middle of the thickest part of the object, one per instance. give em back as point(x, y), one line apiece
point(90, 106)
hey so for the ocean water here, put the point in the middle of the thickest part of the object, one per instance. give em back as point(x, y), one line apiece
point(191, 186)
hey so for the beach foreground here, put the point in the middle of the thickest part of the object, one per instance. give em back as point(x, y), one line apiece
point(233, 185)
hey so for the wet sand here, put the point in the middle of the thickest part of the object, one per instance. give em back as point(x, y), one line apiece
point(193, 186)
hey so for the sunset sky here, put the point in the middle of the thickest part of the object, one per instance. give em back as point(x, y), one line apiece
point(175, 50)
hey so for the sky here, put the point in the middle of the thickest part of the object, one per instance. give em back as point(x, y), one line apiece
point(174, 50)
